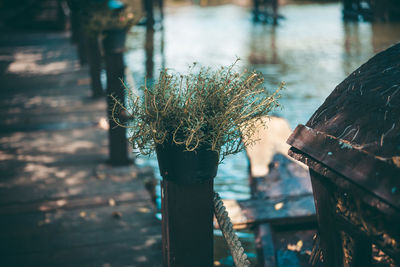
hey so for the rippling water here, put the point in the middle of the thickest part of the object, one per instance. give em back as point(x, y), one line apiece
point(312, 50)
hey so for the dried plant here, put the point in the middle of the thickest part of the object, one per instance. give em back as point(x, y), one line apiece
point(98, 18)
point(203, 108)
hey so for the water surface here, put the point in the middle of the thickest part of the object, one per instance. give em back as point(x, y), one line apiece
point(312, 50)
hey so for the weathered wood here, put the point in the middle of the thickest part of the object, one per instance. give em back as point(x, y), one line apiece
point(389, 217)
point(339, 248)
point(149, 10)
point(351, 145)
point(187, 224)
point(375, 174)
point(346, 185)
point(370, 94)
point(261, 12)
point(244, 213)
point(265, 245)
point(74, 203)
point(149, 48)
point(280, 189)
point(385, 10)
point(82, 45)
point(118, 146)
point(94, 59)
point(66, 165)
point(360, 248)
point(331, 242)
point(81, 237)
point(285, 178)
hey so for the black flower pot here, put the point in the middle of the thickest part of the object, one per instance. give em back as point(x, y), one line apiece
point(186, 167)
point(114, 40)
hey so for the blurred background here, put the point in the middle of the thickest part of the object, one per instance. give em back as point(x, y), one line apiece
point(54, 136)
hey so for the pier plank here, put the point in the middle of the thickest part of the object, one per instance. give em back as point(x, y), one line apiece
point(245, 213)
point(281, 194)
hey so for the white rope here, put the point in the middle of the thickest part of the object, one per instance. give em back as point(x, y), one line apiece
point(239, 257)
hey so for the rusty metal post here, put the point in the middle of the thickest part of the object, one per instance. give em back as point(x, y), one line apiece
point(113, 45)
point(187, 205)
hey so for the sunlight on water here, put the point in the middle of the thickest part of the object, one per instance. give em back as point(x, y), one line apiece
point(312, 50)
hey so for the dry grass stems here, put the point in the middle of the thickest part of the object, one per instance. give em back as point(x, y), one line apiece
point(204, 108)
point(98, 18)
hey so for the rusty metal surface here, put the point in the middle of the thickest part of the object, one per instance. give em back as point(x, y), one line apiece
point(375, 174)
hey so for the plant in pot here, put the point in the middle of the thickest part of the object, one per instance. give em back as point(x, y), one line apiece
point(100, 22)
point(196, 118)
point(112, 22)
point(193, 122)
point(107, 22)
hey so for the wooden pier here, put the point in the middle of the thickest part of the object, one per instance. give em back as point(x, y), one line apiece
point(281, 196)
point(60, 204)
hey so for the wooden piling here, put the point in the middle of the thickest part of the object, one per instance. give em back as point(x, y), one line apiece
point(118, 149)
point(94, 58)
point(330, 239)
point(187, 204)
point(82, 47)
point(187, 224)
point(149, 48)
point(149, 9)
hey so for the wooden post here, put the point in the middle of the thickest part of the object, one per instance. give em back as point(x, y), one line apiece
point(351, 9)
point(383, 9)
point(61, 18)
point(149, 48)
point(82, 44)
point(161, 7)
point(256, 10)
point(74, 19)
point(275, 5)
point(149, 9)
point(94, 58)
point(360, 248)
point(330, 237)
point(187, 224)
point(265, 245)
point(187, 204)
point(118, 149)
